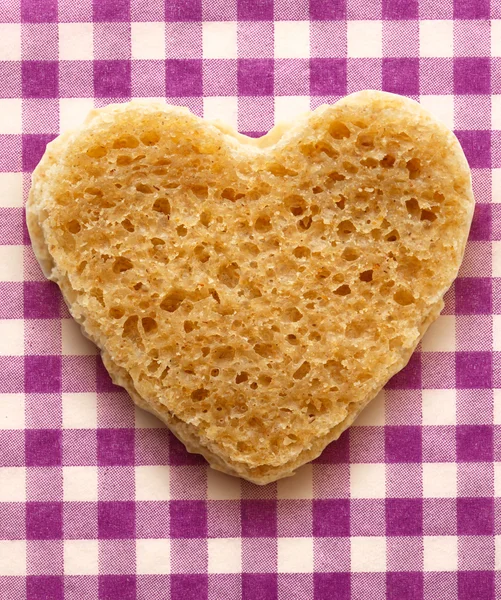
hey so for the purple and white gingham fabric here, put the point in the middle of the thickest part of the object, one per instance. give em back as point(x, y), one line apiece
point(97, 499)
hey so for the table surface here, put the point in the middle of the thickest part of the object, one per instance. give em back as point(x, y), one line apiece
point(97, 499)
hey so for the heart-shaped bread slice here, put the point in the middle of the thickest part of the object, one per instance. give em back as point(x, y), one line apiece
point(254, 294)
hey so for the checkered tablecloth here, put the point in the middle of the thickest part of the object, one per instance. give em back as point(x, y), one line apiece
point(97, 499)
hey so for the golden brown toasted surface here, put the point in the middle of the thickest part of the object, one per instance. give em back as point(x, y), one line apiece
point(254, 294)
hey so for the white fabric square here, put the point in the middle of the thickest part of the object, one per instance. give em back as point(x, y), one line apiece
point(11, 337)
point(497, 410)
point(298, 487)
point(12, 557)
point(74, 342)
point(292, 39)
point(147, 41)
point(365, 39)
point(11, 190)
point(11, 263)
point(76, 41)
point(368, 480)
point(442, 107)
point(496, 187)
point(225, 555)
point(441, 335)
point(497, 560)
point(295, 555)
point(80, 410)
point(436, 38)
point(12, 484)
point(11, 115)
point(222, 108)
point(219, 39)
point(496, 259)
point(439, 480)
point(12, 411)
point(496, 325)
point(373, 413)
point(145, 420)
point(10, 41)
point(73, 111)
point(288, 108)
point(152, 482)
point(496, 111)
point(497, 479)
point(80, 484)
point(81, 557)
point(153, 557)
point(440, 552)
point(496, 37)
point(368, 554)
point(439, 407)
point(221, 486)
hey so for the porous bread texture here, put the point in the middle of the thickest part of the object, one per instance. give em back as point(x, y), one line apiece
point(255, 295)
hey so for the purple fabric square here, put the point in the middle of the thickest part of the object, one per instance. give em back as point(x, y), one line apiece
point(394, 10)
point(188, 519)
point(183, 10)
point(12, 380)
point(401, 75)
point(473, 370)
point(476, 585)
point(472, 75)
point(331, 518)
point(473, 296)
point(255, 77)
point(481, 226)
point(178, 455)
point(44, 587)
point(117, 587)
point(477, 147)
point(11, 221)
point(44, 520)
point(11, 300)
point(103, 379)
point(40, 79)
point(404, 586)
point(33, 149)
point(10, 74)
point(115, 447)
point(255, 10)
point(327, 10)
point(42, 299)
point(327, 76)
point(189, 587)
point(475, 516)
point(404, 516)
point(471, 9)
point(259, 518)
point(403, 444)
point(332, 586)
point(475, 443)
point(183, 78)
point(42, 374)
point(111, 10)
point(38, 11)
point(409, 378)
point(112, 78)
point(116, 520)
point(337, 452)
point(43, 447)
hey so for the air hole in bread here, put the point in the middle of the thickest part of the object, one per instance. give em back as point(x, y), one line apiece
point(315, 336)
point(181, 230)
point(205, 351)
point(81, 267)
point(264, 350)
point(116, 312)
point(305, 223)
point(293, 314)
point(94, 191)
point(303, 370)
point(403, 297)
point(302, 252)
point(97, 152)
point(280, 170)
point(323, 273)
point(350, 254)
point(343, 290)
point(345, 229)
point(341, 203)
point(144, 188)
point(123, 159)
point(200, 191)
point(157, 241)
point(231, 195)
point(199, 395)
point(214, 373)
point(428, 215)
point(366, 276)
point(335, 176)
point(173, 300)
point(224, 353)
point(162, 205)
point(229, 275)
point(253, 386)
point(205, 218)
point(393, 236)
point(387, 161)
point(365, 141)
point(413, 207)
point(150, 138)
point(414, 168)
point(296, 205)
point(264, 380)
point(369, 162)
point(126, 224)
point(131, 331)
point(149, 325)
point(138, 285)
point(188, 326)
point(241, 377)
point(328, 150)
point(215, 295)
point(73, 226)
point(122, 264)
point(338, 130)
point(317, 189)
point(126, 141)
point(350, 168)
point(263, 224)
point(201, 253)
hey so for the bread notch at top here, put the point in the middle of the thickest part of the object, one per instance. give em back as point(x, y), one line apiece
point(254, 294)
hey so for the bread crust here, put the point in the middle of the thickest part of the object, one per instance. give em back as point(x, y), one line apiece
point(428, 163)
